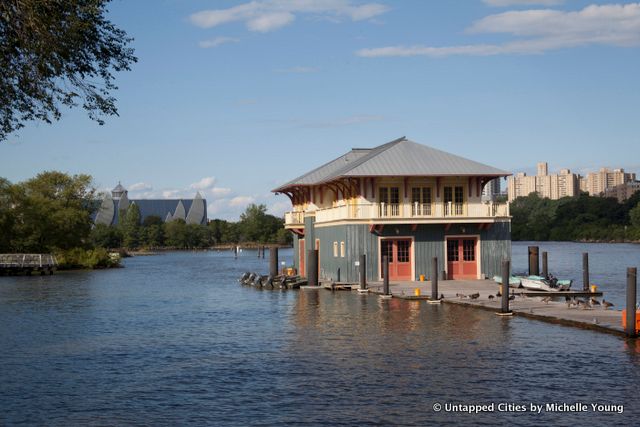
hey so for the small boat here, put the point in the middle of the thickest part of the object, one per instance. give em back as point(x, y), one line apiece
point(549, 284)
point(514, 281)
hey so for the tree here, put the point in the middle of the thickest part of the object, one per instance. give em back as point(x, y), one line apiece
point(52, 211)
point(56, 53)
point(6, 216)
point(634, 216)
point(176, 233)
point(131, 227)
point(152, 233)
point(104, 236)
point(258, 226)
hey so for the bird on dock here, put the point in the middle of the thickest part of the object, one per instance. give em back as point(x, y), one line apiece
point(512, 297)
point(475, 296)
point(441, 296)
point(606, 304)
point(594, 301)
point(571, 302)
point(567, 298)
point(546, 300)
point(491, 297)
point(587, 306)
point(461, 296)
point(498, 294)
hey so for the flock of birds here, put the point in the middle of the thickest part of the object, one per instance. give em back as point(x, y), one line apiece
point(570, 301)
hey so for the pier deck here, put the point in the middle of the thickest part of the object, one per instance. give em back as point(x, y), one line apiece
point(526, 305)
point(27, 263)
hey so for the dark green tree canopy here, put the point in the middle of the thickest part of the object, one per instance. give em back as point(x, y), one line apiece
point(56, 53)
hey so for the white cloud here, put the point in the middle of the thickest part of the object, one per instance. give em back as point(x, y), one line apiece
point(220, 192)
point(269, 15)
point(544, 30)
point(205, 183)
point(297, 70)
point(270, 21)
point(505, 3)
point(206, 44)
point(241, 201)
point(140, 186)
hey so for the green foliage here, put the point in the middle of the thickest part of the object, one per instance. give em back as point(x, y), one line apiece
point(51, 211)
point(89, 259)
point(579, 218)
point(6, 217)
point(175, 233)
point(58, 53)
point(634, 216)
point(105, 236)
point(257, 226)
point(130, 225)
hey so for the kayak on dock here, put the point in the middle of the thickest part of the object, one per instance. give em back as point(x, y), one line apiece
point(514, 281)
point(549, 284)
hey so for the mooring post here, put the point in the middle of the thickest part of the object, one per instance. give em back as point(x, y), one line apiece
point(235, 251)
point(545, 265)
point(505, 286)
point(385, 274)
point(273, 261)
point(585, 271)
point(338, 275)
point(443, 275)
point(534, 261)
point(312, 267)
point(632, 277)
point(258, 251)
point(263, 248)
point(363, 271)
point(434, 278)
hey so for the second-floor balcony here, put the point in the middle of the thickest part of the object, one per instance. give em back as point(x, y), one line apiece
point(406, 213)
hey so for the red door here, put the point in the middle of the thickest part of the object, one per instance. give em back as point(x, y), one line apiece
point(302, 271)
point(462, 261)
point(399, 253)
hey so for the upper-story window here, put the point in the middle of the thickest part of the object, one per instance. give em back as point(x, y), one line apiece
point(421, 201)
point(389, 198)
point(454, 200)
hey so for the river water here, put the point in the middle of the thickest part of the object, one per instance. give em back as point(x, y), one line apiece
point(175, 340)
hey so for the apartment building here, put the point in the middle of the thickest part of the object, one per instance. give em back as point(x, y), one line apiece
point(555, 186)
point(596, 183)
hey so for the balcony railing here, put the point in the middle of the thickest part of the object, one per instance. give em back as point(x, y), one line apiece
point(294, 218)
point(400, 211)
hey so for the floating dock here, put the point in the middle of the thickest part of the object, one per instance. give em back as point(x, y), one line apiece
point(12, 264)
point(524, 303)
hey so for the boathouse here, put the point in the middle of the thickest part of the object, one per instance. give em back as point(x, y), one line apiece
point(404, 200)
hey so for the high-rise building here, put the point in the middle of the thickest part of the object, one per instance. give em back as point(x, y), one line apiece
point(596, 183)
point(563, 184)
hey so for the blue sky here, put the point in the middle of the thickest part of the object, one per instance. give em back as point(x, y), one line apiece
point(233, 98)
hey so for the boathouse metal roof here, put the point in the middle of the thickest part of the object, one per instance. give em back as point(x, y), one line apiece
point(400, 157)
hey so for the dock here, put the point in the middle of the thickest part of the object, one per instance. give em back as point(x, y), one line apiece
point(13, 264)
point(528, 304)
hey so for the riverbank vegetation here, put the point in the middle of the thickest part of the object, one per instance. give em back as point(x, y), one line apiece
point(582, 218)
point(53, 213)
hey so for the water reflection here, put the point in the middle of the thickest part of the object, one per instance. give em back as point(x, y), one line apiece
point(176, 340)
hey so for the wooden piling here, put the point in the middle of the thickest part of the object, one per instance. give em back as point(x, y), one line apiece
point(632, 275)
point(385, 273)
point(434, 278)
point(545, 265)
point(363, 271)
point(312, 267)
point(534, 261)
point(505, 286)
point(273, 261)
point(585, 271)
point(263, 248)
